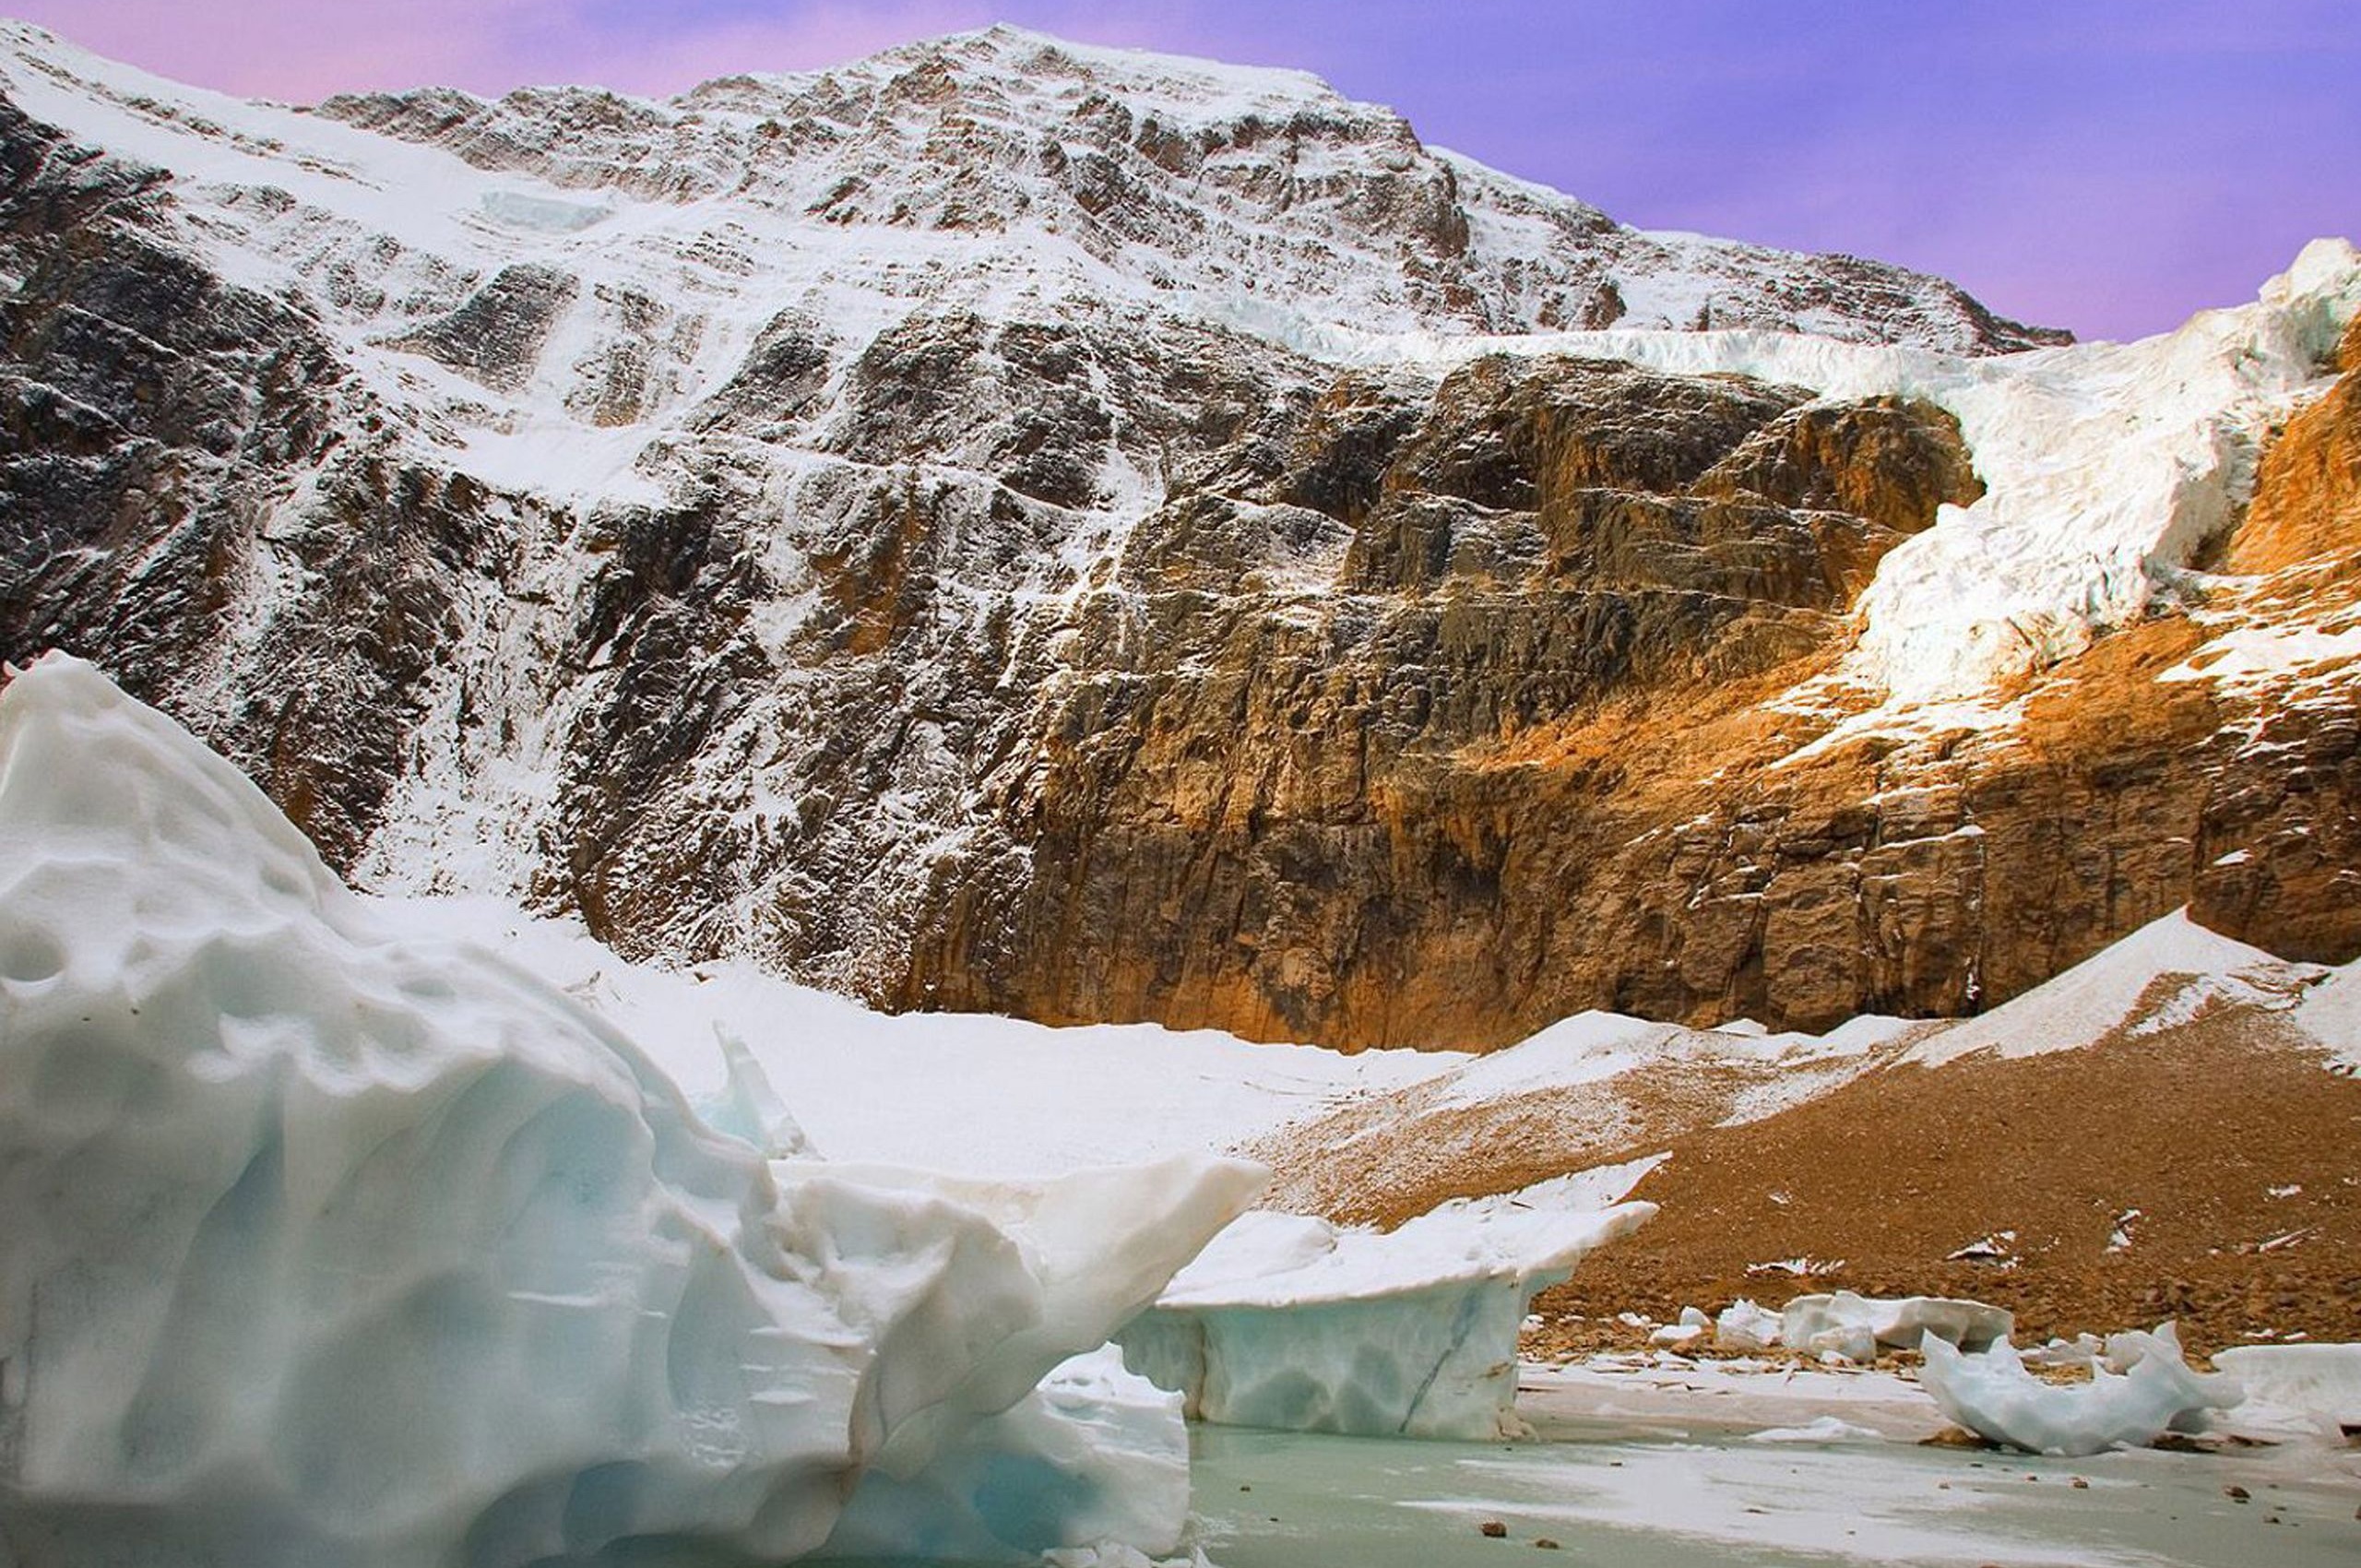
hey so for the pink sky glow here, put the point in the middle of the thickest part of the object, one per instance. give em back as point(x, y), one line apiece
point(2106, 165)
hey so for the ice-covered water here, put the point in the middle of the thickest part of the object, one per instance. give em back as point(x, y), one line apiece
point(1674, 1466)
point(1658, 1496)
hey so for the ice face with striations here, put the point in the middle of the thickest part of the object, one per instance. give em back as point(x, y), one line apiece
point(1289, 1323)
point(325, 1242)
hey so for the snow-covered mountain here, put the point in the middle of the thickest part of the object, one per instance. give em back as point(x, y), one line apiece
point(1057, 530)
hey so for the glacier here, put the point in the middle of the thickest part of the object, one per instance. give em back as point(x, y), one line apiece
point(1288, 1322)
point(324, 1239)
point(2107, 468)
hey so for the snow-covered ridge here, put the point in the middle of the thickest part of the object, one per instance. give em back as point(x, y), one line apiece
point(990, 168)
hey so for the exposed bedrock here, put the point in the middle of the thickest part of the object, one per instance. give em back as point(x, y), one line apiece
point(1534, 758)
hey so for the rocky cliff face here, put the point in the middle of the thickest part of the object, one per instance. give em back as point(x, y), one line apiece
point(1271, 790)
point(1047, 529)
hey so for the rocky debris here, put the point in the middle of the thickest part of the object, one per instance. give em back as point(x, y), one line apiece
point(2194, 1124)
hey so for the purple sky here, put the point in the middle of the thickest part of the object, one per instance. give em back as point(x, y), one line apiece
point(2106, 165)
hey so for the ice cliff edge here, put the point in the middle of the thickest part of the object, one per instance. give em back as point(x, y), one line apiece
point(323, 1244)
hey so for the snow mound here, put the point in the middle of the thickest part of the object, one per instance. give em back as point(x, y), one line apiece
point(2152, 1391)
point(1585, 1048)
point(2331, 1013)
point(2160, 976)
point(1822, 1428)
point(1288, 1322)
point(321, 1241)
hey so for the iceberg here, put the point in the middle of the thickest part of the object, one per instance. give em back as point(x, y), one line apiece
point(2144, 1390)
point(326, 1241)
point(1290, 1323)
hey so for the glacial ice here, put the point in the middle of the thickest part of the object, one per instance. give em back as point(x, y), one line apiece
point(1095, 1462)
point(2144, 1391)
point(1854, 1326)
point(2321, 1382)
point(1744, 1328)
point(1288, 1322)
point(326, 1241)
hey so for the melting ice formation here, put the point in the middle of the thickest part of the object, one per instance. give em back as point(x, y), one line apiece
point(321, 1242)
point(2144, 1390)
point(1288, 1322)
point(1850, 1327)
point(2319, 1383)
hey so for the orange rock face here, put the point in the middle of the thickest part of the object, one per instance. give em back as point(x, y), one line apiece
point(1536, 758)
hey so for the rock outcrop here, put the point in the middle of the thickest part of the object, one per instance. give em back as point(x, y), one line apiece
point(1275, 791)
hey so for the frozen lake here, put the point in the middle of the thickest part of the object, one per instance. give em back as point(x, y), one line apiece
point(1647, 1496)
point(1676, 1468)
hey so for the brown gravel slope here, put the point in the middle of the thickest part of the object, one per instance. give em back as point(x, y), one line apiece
point(2202, 1129)
point(2204, 1126)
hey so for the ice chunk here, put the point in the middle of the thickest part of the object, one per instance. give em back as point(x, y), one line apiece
point(750, 1108)
point(1746, 1328)
point(1840, 1344)
point(2083, 1350)
point(1992, 1394)
point(1692, 1326)
point(323, 1242)
point(1857, 1324)
point(2320, 1381)
point(1288, 1322)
